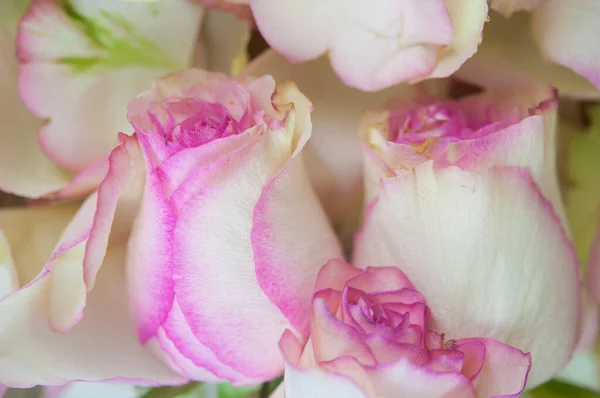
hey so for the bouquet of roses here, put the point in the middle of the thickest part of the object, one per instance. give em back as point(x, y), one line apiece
point(299, 198)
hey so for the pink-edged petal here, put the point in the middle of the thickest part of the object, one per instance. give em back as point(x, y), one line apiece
point(33, 352)
point(332, 338)
point(377, 47)
point(91, 79)
point(24, 169)
point(190, 356)
point(468, 19)
point(334, 274)
point(504, 372)
point(337, 108)
point(150, 256)
point(283, 24)
point(463, 237)
point(279, 246)
point(387, 351)
point(508, 55)
point(312, 382)
point(212, 251)
point(46, 33)
point(474, 356)
point(53, 91)
point(552, 21)
point(381, 279)
point(447, 361)
point(402, 378)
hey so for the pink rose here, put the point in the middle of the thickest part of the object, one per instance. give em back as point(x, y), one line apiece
point(371, 336)
point(373, 46)
point(208, 215)
point(463, 196)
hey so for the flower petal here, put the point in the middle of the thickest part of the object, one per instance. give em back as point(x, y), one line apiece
point(211, 249)
point(504, 372)
point(468, 18)
point(312, 382)
point(280, 246)
point(283, 25)
point(82, 81)
point(34, 353)
point(567, 34)
point(24, 168)
point(463, 237)
point(333, 338)
point(402, 378)
point(508, 55)
point(337, 108)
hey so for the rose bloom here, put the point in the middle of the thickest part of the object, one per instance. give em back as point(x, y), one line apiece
point(464, 197)
point(375, 46)
point(206, 222)
point(371, 336)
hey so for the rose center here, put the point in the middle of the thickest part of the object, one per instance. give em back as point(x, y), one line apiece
point(208, 121)
point(429, 121)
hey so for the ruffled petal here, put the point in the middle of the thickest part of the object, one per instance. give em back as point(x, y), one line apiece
point(464, 237)
point(504, 372)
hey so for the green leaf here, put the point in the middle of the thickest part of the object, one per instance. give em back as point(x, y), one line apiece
point(171, 392)
point(226, 390)
point(559, 389)
point(583, 194)
point(118, 42)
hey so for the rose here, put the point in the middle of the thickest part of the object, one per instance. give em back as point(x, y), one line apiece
point(454, 200)
point(112, 48)
point(333, 155)
point(371, 337)
point(375, 46)
point(554, 43)
point(208, 212)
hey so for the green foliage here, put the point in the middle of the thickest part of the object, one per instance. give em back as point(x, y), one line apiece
point(583, 195)
point(558, 389)
point(171, 392)
point(117, 43)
